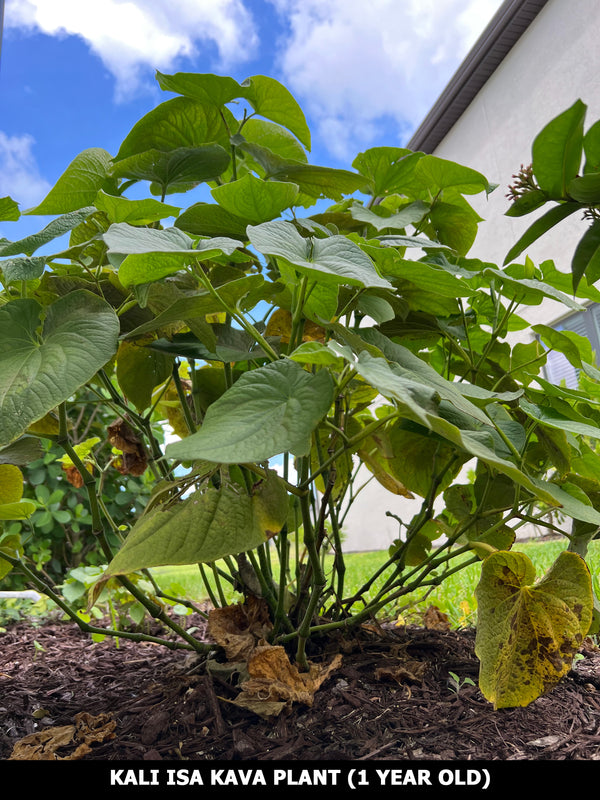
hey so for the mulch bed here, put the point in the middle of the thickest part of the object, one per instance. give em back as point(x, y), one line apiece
point(156, 704)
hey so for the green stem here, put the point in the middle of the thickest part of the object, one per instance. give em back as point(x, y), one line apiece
point(98, 529)
point(46, 589)
point(349, 445)
point(187, 415)
point(239, 318)
point(318, 577)
point(497, 328)
point(297, 320)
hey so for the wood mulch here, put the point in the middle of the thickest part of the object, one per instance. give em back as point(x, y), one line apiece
point(391, 698)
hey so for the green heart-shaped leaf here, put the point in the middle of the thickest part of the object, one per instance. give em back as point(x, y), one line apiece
point(44, 363)
point(78, 185)
point(335, 259)
point(208, 525)
point(268, 411)
point(175, 170)
point(254, 199)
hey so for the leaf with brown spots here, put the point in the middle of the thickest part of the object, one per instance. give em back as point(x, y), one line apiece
point(527, 632)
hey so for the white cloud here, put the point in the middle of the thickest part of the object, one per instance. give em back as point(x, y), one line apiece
point(353, 65)
point(130, 35)
point(19, 174)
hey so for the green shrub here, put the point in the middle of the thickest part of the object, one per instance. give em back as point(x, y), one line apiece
point(312, 317)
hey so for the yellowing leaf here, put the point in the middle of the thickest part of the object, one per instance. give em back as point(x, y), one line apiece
point(280, 324)
point(527, 632)
point(11, 484)
point(11, 545)
point(48, 424)
point(383, 477)
point(217, 317)
point(170, 407)
point(83, 450)
point(271, 504)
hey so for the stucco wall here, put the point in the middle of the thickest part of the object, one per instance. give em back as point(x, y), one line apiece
point(555, 62)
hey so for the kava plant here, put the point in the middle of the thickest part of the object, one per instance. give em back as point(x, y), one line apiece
point(293, 326)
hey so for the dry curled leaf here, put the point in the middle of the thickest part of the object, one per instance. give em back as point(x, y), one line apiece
point(73, 740)
point(275, 682)
point(409, 671)
point(434, 619)
point(134, 458)
point(238, 628)
point(73, 475)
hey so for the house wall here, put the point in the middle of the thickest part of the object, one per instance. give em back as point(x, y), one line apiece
point(554, 63)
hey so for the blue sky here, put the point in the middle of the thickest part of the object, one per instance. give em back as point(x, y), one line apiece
point(79, 73)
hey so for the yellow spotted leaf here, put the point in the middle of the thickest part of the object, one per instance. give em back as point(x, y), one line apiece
point(528, 631)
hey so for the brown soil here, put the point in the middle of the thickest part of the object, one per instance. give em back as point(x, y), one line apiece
point(389, 700)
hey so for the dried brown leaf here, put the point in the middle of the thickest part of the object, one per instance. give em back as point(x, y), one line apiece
point(239, 628)
point(434, 619)
point(275, 682)
point(134, 459)
point(44, 745)
point(74, 477)
point(409, 671)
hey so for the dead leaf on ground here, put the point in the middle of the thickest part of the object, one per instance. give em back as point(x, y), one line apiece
point(434, 619)
point(239, 628)
point(44, 745)
point(275, 682)
point(409, 671)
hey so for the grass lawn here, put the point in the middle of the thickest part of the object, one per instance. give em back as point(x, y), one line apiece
point(455, 597)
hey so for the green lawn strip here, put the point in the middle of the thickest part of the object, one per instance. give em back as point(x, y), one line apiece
point(454, 597)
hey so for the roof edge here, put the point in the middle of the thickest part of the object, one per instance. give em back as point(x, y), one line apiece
point(501, 34)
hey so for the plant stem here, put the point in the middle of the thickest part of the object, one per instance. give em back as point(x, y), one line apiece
point(187, 415)
point(348, 446)
point(318, 577)
point(98, 529)
point(46, 589)
point(239, 318)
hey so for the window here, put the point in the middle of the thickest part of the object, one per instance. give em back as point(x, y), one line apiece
point(585, 323)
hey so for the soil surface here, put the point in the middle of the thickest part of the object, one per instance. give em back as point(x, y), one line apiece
point(391, 698)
